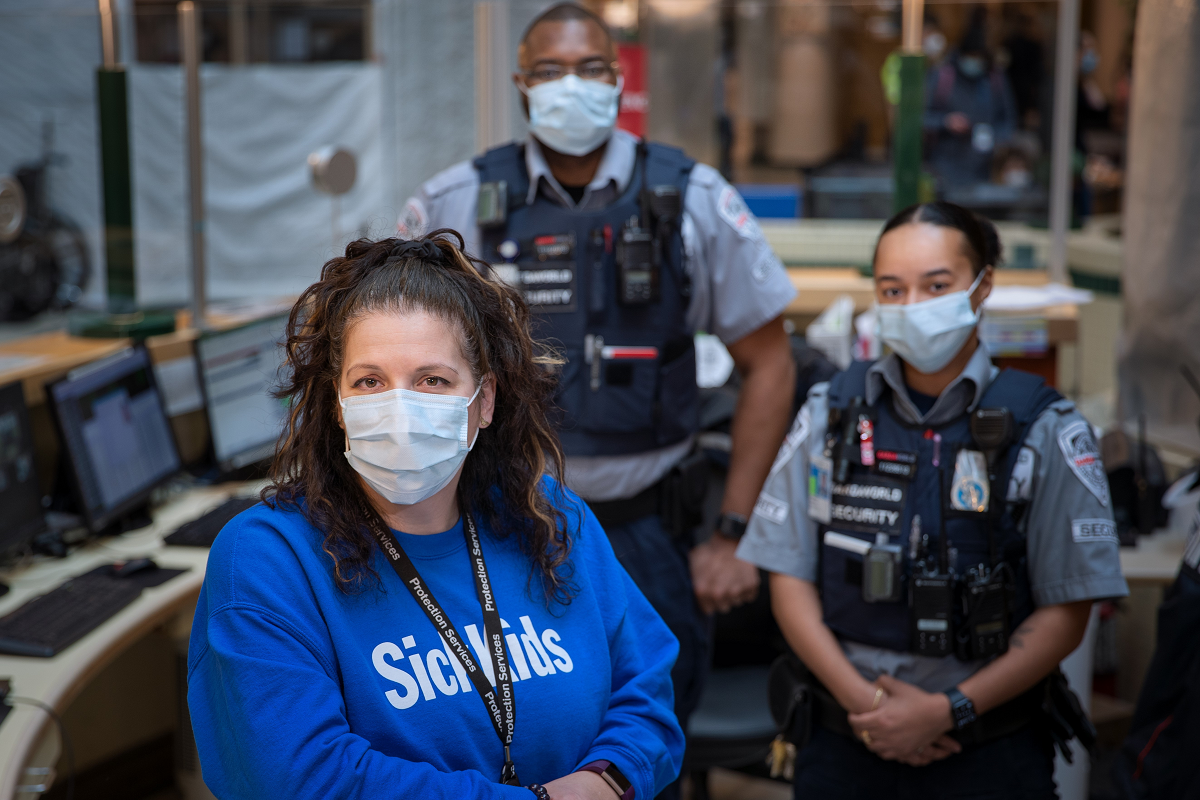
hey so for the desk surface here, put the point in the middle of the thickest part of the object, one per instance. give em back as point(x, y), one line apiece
point(56, 681)
point(1156, 558)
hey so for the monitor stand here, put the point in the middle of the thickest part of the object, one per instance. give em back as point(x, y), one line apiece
point(133, 519)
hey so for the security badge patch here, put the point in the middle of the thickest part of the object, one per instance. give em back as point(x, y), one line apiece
point(869, 504)
point(548, 282)
point(1083, 457)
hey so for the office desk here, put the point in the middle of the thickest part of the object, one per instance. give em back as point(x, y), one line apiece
point(27, 736)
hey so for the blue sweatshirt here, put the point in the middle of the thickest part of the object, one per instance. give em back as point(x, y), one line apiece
point(297, 690)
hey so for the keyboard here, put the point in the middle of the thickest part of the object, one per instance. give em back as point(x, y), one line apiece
point(202, 532)
point(47, 625)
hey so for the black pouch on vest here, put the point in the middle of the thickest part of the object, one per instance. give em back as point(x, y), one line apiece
point(683, 492)
point(790, 696)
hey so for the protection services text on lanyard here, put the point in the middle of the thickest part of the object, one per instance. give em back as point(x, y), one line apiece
point(500, 702)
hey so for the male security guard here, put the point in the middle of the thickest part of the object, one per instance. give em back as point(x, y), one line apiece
point(624, 250)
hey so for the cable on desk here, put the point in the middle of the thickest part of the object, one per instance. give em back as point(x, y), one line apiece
point(68, 748)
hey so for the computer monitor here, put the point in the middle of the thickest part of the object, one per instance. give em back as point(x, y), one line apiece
point(20, 495)
point(115, 434)
point(239, 370)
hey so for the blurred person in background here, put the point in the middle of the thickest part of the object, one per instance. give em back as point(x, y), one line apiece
point(890, 516)
point(624, 250)
point(1026, 69)
point(969, 111)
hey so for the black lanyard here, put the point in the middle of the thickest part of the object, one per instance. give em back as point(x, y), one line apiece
point(502, 709)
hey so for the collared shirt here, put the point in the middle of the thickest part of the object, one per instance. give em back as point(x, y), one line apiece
point(738, 283)
point(1067, 561)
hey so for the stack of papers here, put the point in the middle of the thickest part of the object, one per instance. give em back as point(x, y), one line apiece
point(1028, 298)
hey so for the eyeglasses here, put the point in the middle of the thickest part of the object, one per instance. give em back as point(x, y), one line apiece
point(589, 71)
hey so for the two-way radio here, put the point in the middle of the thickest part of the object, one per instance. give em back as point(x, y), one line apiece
point(643, 239)
point(984, 593)
point(932, 613)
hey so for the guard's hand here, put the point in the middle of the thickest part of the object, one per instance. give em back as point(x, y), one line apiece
point(936, 750)
point(911, 719)
point(579, 786)
point(721, 579)
point(957, 122)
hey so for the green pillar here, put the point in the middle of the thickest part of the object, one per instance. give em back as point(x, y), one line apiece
point(906, 150)
point(117, 189)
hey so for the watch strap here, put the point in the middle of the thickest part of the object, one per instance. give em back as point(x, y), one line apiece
point(615, 779)
point(732, 526)
point(962, 710)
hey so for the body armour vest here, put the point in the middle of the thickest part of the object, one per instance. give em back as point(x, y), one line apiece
point(903, 494)
point(629, 382)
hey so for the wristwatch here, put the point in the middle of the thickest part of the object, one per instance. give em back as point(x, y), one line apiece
point(615, 779)
point(731, 526)
point(962, 710)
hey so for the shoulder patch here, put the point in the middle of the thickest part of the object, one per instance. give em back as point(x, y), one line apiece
point(793, 440)
point(771, 508)
point(1087, 531)
point(733, 210)
point(413, 219)
point(1079, 448)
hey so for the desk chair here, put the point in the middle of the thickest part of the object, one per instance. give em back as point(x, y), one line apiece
point(732, 727)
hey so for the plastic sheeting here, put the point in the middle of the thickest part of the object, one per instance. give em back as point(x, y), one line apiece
point(406, 114)
point(49, 51)
point(268, 230)
point(1161, 274)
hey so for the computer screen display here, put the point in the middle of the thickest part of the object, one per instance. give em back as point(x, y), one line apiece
point(115, 433)
point(20, 495)
point(239, 369)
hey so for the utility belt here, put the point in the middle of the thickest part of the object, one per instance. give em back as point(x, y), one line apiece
point(799, 701)
point(678, 498)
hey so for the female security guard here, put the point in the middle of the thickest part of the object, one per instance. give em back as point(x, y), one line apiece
point(419, 610)
point(936, 532)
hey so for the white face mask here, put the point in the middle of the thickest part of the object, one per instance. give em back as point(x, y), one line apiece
point(571, 115)
point(407, 445)
point(930, 333)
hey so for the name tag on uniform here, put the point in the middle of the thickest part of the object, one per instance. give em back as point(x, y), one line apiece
point(896, 464)
point(548, 282)
point(820, 483)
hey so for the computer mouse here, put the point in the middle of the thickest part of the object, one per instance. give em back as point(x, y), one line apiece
point(127, 569)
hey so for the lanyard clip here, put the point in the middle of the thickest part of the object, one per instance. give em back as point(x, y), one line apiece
point(508, 775)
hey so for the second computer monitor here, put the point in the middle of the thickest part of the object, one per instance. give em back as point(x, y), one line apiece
point(20, 496)
point(115, 433)
point(240, 369)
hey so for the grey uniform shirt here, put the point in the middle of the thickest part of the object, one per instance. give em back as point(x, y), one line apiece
point(738, 284)
point(1070, 536)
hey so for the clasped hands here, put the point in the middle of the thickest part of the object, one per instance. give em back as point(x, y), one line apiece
point(908, 724)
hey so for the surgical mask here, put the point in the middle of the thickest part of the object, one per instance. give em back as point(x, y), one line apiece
point(407, 445)
point(1088, 62)
point(571, 115)
point(928, 334)
point(971, 66)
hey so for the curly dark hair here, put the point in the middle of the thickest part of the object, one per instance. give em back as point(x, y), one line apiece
point(501, 480)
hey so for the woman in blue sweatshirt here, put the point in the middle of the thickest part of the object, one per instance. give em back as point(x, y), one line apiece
point(420, 609)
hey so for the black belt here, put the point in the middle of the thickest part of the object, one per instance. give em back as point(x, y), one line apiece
point(995, 724)
point(646, 503)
